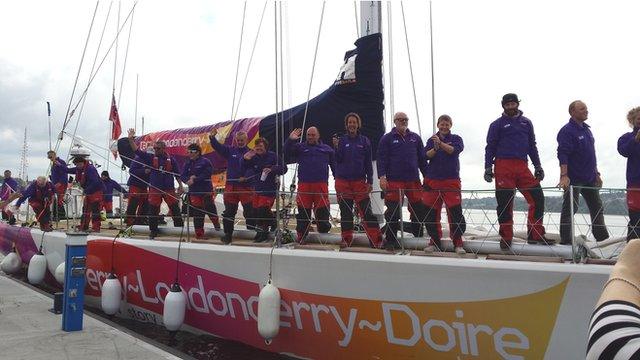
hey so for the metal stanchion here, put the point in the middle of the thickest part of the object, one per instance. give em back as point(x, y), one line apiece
point(572, 224)
point(400, 206)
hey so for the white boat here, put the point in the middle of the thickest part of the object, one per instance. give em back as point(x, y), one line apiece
point(532, 303)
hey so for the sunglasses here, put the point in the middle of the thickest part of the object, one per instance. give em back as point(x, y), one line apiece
point(193, 151)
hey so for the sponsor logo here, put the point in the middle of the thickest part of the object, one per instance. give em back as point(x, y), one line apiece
point(320, 326)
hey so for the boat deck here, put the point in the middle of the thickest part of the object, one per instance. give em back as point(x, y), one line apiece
point(29, 331)
point(171, 234)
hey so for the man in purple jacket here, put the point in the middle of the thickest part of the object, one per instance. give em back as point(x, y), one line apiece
point(400, 156)
point(629, 147)
point(88, 178)
point(59, 181)
point(137, 207)
point(267, 166)
point(40, 195)
point(578, 168)
point(510, 141)
point(196, 173)
point(9, 187)
point(236, 189)
point(164, 169)
point(314, 160)
point(107, 197)
point(354, 179)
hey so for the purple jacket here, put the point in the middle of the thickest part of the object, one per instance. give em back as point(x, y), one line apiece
point(257, 164)
point(630, 148)
point(401, 157)
point(88, 178)
point(37, 193)
point(107, 190)
point(235, 160)
point(163, 169)
point(137, 176)
point(444, 166)
point(59, 172)
point(511, 138)
point(314, 161)
point(202, 169)
point(353, 158)
point(9, 186)
point(576, 149)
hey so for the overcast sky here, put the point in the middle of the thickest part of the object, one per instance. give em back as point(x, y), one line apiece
point(548, 52)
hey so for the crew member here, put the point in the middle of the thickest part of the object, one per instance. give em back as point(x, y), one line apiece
point(137, 207)
point(196, 173)
point(9, 187)
point(442, 184)
point(510, 141)
point(629, 147)
point(314, 159)
point(59, 181)
point(40, 195)
point(89, 180)
point(354, 180)
point(107, 198)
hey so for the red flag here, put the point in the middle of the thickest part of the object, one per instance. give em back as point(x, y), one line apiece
point(116, 128)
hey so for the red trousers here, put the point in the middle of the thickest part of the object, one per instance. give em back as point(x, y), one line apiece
point(355, 194)
point(107, 206)
point(261, 201)
point(412, 190)
point(234, 193)
point(156, 196)
point(91, 211)
point(445, 192)
point(514, 174)
point(43, 213)
point(60, 189)
point(313, 195)
point(136, 204)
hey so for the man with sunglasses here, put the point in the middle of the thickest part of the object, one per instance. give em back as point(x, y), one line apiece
point(196, 174)
point(401, 157)
point(236, 189)
point(164, 169)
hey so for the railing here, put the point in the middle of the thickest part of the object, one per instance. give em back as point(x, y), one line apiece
point(478, 208)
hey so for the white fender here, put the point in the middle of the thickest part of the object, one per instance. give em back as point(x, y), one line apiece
point(269, 311)
point(111, 295)
point(11, 263)
point(37, 268)
point(175, 305)
point(59, 274)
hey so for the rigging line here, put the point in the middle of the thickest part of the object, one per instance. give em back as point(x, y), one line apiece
point(115, 61)
point(255, 42)
point(280, 129)
point(313, 68)
point(413, 84)
point(126, 55)
point(75, 84)
point(433, 88)
point(93, 65)
point(235, 83)
point(390, 45)
point(355, 12)
point(84, 93)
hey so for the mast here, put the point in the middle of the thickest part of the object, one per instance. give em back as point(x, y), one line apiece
point(24, 162)
point(433, 88)
point(371, 23)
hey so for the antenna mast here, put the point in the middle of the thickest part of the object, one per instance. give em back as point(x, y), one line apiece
point(24, 163)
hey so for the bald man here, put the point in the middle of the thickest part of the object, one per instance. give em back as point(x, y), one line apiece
point(314, 160)
point(579, 168)
point(401, 157)
point(40, 195)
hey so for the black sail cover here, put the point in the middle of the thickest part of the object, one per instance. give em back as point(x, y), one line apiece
point(358, 88)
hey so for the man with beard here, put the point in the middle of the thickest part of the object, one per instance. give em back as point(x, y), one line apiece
point(510, 141)
point(354, 179)
point(401, 157)
point(579, 168)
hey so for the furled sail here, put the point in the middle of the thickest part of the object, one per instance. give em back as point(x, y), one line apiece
point(358, 88)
